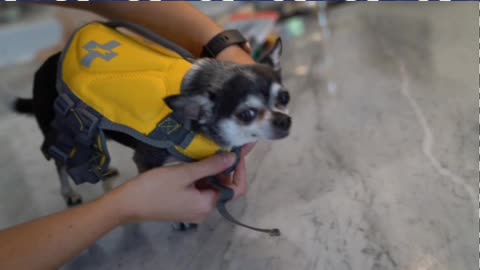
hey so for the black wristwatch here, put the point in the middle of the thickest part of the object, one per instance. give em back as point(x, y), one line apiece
point(223, 40)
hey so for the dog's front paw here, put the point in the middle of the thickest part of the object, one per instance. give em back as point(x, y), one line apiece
point(182, 227)
point(73, 199)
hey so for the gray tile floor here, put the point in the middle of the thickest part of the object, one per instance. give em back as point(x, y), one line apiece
point(379, 173)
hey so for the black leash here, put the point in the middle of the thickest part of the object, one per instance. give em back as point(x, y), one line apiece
point(226, 194)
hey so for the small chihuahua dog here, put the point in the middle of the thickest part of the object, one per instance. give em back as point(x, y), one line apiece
point(229, 103)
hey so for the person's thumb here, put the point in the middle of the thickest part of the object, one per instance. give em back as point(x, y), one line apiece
point(208, 167)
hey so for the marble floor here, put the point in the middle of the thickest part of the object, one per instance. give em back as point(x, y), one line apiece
point(379, 173)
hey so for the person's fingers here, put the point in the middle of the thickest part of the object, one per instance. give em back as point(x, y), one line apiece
point(236, 181)
point(207, 167)
point(210, 197)
point(247, 149)
point(240, 179)
point(206, 202)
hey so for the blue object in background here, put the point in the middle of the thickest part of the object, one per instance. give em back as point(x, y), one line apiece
point(21, 40)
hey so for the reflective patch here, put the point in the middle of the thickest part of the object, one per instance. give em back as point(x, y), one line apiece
point(169, 125)
point(96, 50)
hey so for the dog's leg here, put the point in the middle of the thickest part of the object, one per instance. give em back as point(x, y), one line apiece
point(147, 158)
point(71, 197)
point(109, 179)
point(111, 172)
point(108, 184)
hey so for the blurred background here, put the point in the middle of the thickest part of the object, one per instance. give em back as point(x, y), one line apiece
point(380, 169)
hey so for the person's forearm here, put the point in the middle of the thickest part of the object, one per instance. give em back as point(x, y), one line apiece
point(179, 22)
point(49, 242)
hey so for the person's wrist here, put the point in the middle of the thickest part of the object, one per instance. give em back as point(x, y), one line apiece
point(204, 37)
point(115, 203)
point(225, 39)
point(235, 54)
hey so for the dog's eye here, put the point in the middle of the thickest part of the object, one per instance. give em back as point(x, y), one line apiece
point(283, 98)
point(247, 115)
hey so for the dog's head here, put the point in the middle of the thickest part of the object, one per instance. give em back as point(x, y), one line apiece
point(235, 104)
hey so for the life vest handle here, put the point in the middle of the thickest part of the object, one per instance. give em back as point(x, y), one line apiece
point(153, 37)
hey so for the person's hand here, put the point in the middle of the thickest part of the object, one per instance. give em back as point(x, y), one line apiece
point(170, 194)
point(238, 181)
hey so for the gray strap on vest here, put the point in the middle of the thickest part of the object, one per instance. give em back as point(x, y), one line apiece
point(167, 134)
point(153, 37)
point(79, 144)
point(172, 130)
point(105, 124)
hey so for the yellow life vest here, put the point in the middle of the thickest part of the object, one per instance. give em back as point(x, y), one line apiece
point(122, 78)
point(115, 80)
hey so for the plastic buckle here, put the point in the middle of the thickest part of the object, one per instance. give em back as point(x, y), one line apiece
point(63, 104)
point(84, 174)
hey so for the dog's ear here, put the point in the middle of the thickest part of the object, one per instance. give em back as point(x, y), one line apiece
point(272, 56)
point(197, 108)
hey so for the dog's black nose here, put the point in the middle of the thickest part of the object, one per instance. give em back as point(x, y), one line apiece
point(282, 121)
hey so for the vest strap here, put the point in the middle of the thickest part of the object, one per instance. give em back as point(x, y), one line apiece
point(171, 130)
point(63, 104)
point(79, 143)
point(153, 37)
